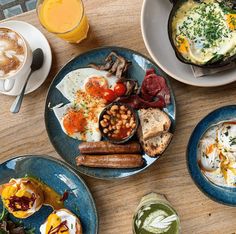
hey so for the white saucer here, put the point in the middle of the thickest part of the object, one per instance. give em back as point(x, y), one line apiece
point(154, 19)
point(36, 40)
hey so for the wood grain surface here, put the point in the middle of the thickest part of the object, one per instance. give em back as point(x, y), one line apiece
point(117, 22)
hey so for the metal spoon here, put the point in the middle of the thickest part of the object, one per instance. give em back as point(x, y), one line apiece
point(36, 64)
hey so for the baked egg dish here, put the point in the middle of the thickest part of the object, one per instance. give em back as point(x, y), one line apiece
point(217, 154)
point(204, 32)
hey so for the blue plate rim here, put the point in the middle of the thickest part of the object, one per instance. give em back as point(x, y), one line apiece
point(194, 179)
point(69, 168)
point(112, 48)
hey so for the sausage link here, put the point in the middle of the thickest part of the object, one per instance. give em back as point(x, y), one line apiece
point(111, 161)
point(105, 147)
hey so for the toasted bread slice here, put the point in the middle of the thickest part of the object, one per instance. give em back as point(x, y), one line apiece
point(153, 122)
point(155, 145)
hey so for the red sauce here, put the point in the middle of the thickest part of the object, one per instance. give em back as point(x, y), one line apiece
point(74, 121)
point(123, 133)
point(230, 122)
point(64, 196)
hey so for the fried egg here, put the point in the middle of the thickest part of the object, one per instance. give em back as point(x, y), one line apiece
point(217, 154)
point(84, 89)
point(87, 80)
point(79, 123)
point(61, 221)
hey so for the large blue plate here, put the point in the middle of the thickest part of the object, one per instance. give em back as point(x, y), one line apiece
point(59, 177)
point(67, 147)
point(219, 194)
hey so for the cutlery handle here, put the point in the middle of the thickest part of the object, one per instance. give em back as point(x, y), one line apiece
point(16, 105)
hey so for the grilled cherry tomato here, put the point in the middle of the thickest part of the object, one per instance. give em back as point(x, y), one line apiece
point(109, 95)
point(120, 89)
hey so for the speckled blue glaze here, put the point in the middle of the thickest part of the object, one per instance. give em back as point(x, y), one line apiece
point(219, 194)
point(67, 147)
point(59, 177)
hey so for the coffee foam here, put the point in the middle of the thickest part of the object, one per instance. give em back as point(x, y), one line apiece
point(12, 52)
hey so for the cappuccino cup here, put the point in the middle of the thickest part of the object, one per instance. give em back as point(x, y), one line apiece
point(15, 60)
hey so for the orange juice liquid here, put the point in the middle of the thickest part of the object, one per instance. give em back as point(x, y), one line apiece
point(65, 18)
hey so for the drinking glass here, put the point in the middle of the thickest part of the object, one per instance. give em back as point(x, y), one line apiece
point(64, 18)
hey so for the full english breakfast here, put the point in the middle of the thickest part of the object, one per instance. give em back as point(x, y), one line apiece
point(105, 108)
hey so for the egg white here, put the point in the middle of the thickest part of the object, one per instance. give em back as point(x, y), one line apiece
point(226, 133)
point(76, 80)
point(92, 131)
point(65, 216)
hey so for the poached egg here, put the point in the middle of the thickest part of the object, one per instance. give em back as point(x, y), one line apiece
point(62, 222)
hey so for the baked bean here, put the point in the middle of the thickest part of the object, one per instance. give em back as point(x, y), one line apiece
point(118, 122)
point(103, 123)
point(105, 130)
point(115, 107)
point(106, 117)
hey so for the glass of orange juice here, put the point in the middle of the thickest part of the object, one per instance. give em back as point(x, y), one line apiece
point(64, 18)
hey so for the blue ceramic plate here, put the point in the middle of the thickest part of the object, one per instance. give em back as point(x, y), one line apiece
point(59, 177)
point(67, 147)
point(219, 194)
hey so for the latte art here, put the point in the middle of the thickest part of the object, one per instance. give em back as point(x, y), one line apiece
point(12, 52)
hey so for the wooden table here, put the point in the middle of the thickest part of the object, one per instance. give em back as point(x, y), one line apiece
point(117, 22)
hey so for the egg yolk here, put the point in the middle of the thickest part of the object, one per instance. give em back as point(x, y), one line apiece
point(182, 44)
point(210, 149)
point(74, 121)
point(96, 86)
point(231, 21)
point(55, 225)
